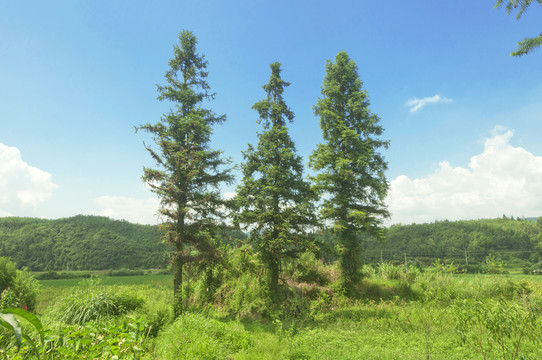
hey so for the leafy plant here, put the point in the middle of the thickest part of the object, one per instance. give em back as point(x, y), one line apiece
point(494, 266)
point(497, 326)
point(10, 322)
point(18, 288)
point(92, 302)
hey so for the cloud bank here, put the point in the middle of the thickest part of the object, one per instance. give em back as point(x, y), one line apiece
point(416, 104)
point(503, 179)
point(21, 185)
point(141, 211)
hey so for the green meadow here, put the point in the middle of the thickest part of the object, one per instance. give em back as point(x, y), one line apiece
point(418, 314)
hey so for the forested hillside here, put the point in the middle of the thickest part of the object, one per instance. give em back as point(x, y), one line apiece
point(463, 241)
point(81, 243)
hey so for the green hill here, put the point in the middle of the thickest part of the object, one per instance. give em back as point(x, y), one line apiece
point(463, 241)
point(80, 243)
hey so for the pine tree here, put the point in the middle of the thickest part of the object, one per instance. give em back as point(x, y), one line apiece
point(189, 171)
point(350, 170)
point(274, 201)
point(528, 44)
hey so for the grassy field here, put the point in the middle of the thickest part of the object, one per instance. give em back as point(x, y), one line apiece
point(427, 316)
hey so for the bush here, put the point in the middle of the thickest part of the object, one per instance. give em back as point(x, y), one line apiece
point(310, 270)
point(92, 302)
point(125, 272)
point(18, 288)
point(53, 275)
point(534, 269)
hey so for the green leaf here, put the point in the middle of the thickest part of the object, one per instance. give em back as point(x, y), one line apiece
point(31, 318)
point(9, 321)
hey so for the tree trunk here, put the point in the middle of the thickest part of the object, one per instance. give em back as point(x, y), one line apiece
point(274, 275)
point(350, 259)
point(178, 282)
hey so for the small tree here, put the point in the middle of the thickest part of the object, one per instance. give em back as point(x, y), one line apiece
point(189, 171)
point(350, 168)
point(274, 201)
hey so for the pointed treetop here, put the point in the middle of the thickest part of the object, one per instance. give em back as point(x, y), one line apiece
point(273, 110)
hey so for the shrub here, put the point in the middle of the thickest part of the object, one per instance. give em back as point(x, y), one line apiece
point(534, 269)
point(494, 266)
point(17, 286)
point(92, 302)
point(53, 275)
point(310, 270)
point(497, 327)
point(125, 272)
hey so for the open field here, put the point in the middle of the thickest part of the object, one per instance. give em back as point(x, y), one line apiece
point(434, 316)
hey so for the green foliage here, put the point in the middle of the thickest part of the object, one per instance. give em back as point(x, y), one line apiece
point(118, 340)
point(459, 241)
point(487, 325)
point(93, 302)
point(9, 321)
point(195, 336)
point(311, 270)
point(273, 201)
point(53, 275)
point(125, 272)
point(494, 266)
point(81, 243)
point(18, 288)
point(189, 171)
point(350, 169)
point(443, 268)
point(528, 44)
point(533, 269)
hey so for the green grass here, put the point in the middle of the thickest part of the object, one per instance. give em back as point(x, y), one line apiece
point(438, 318)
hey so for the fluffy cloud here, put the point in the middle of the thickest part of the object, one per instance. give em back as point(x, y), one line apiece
point(416, 104)
point(503, 179)
point(21, 185)
point(141, 211)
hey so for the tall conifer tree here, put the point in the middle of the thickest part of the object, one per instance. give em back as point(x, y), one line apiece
point(274, 200)
point(350, 169)
point(189, 171)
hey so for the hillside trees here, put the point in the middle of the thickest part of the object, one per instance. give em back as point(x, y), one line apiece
point(189, 171)
point(350, 169)
point(274, 201)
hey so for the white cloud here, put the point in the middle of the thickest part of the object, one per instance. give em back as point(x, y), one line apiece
point(4, 213)
point(503, 179)
point(21, 184)
point(416, 104)
point(142, 211)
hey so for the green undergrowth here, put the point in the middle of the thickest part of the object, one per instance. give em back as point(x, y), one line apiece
point(394, 313)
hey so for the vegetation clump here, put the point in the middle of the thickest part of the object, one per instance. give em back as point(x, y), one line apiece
point(93, 302)
point(18, 288)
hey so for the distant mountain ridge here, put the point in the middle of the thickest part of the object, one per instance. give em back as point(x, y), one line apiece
point(81, 243)
point(463, 241)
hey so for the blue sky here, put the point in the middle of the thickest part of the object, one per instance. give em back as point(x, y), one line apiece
point(464, 118)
